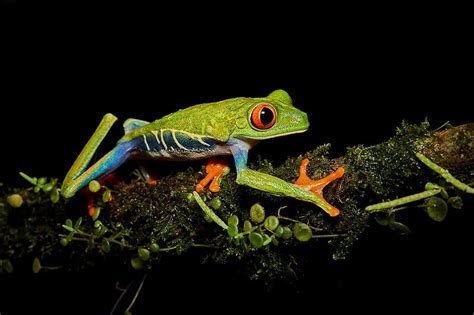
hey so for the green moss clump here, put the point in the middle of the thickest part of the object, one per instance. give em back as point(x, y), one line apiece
point(388, 167)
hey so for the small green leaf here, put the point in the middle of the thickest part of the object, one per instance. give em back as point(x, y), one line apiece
point(42, 180)
point(384, 219)
point(105, 245)
point(69, 222)
point(279, 231)
point(154, 247)
point(431, 186)
point(54, 195)
point(143, 253)
point(232, 230)
point(266, 239)
point(96, 214)
point(256, 239)
point(271, 223)
point(102, 230)
point(290, 272)
point(302, 232)
point(455, 202)
point(257, 213)
point(63, 241)
point(67, 227)
point(78, 223)
point(48, 187)
point(190, 197)
point(36, 267)
point(106, 195)
point(287, 233)
point(444, 194)
point(70, 236)
point(436, 208)
point(15, 200)
point(36, 189)
point(33, 180)
point(233, 219)
point(97, 224)
point(8, 266)
point(275, 241)
point(207, 218)
point(247, 225)
point(215, 203)
point(94, 186)
point(399, 228)
point(136, 263)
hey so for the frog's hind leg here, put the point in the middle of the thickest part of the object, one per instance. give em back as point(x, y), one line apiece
point(107, 164)
point(79, 175)
point(316, 186)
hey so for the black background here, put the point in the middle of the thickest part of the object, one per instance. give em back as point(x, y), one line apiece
point(357, 78)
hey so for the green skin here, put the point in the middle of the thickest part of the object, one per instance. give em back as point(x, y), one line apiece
point(228, 122)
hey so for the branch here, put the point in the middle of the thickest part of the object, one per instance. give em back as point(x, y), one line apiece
point(146, 225)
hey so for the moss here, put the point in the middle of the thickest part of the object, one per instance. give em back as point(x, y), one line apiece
point(389, 167)
point(141, 215)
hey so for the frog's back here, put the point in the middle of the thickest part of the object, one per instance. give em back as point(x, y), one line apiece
point(199, 131)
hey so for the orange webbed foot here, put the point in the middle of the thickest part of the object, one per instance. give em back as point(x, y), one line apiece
point(317, 186)
point(215, 168)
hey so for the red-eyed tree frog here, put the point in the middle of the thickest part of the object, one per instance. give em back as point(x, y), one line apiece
point(229, 127)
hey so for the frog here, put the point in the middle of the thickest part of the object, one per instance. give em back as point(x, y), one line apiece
point(214, 130)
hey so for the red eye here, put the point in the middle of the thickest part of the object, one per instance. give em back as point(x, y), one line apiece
point(263, 116)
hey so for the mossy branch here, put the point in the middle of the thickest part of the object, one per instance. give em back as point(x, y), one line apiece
point(146, 224)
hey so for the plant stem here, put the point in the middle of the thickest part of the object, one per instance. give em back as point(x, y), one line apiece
point(204, 246)
point(124, 291)
point(209, 211)
point(328, 235)
point(127, 311)
point(167, 249)
point(296, 221)
point(445, 174)
point(401, 201)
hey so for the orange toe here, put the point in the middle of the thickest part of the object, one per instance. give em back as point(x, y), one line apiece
point(317, 186)
point(215, 168)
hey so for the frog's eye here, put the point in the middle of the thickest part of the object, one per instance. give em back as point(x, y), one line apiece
point(263, 116)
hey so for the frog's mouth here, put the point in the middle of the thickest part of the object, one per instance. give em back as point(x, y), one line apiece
point(278, 135)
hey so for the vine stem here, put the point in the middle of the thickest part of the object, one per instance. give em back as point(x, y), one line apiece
point(127, 311)
point(295, 221)
point(328, 235)
point(445, 174)
point(401, 201)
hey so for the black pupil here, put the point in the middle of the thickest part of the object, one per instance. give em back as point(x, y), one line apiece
point(266, 116)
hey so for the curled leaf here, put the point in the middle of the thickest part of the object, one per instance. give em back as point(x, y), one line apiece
point(399, 228)
point(257, 213)
point(455, 202)
point(271, 223)
point(232, 229)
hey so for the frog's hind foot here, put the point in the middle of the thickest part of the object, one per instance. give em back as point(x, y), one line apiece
point(317, 186)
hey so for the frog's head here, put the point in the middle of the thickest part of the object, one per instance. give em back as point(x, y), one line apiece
point(270, 117)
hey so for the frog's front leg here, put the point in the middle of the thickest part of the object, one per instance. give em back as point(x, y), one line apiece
point(304, 189)
point(215, 168)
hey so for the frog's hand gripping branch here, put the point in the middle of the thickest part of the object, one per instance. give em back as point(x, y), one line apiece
point(79, 175)
point(304, 188)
